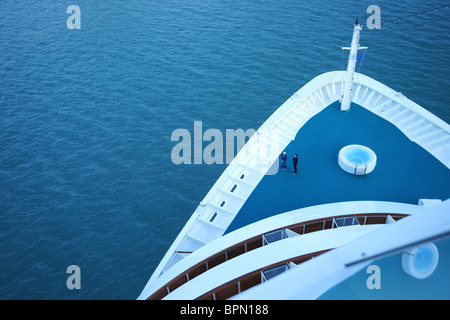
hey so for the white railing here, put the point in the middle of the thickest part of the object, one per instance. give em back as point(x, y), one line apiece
point(239, 179)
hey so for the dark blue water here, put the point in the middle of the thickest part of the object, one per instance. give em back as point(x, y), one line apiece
point(86, 117)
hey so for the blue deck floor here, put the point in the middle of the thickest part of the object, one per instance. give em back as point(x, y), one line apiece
point(405, 172)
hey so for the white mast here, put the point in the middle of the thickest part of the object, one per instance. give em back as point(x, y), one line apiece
point(348, 87)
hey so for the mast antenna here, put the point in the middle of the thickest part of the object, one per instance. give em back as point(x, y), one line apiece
point(346, 99)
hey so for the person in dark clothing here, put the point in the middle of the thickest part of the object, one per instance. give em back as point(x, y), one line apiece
point(295, 161)
point(283, 161)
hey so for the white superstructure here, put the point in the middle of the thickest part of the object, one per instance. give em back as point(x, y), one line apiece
point(239, 179)
point(202, 263)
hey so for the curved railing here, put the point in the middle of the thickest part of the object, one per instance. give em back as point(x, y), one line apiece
point(227, 196)
point(260, 240)
point(238, 285)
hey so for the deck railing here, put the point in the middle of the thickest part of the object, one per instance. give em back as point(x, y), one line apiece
point(258, 241)
point(245, 282)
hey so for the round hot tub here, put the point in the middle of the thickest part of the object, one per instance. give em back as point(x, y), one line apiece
point(357, 159)
point(421, 261)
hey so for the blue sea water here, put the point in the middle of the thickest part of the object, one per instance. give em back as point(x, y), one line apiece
point(86, 116)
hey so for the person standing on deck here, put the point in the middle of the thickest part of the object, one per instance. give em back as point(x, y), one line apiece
point(295, 161)
point(283, 161)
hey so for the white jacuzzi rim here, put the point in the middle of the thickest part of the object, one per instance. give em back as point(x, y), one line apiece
point(411, 258)
point(350, 166)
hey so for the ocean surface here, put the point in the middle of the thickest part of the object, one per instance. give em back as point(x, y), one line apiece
point(86, 116)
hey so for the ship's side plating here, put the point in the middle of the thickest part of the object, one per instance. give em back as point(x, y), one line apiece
point(223, 202)
point(307, 232)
